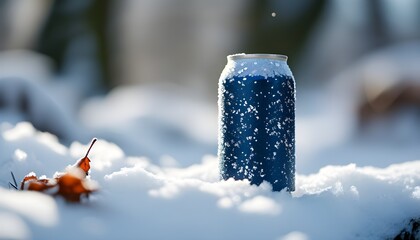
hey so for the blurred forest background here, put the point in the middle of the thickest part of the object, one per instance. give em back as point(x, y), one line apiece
point(353, 61)
point(186, 42)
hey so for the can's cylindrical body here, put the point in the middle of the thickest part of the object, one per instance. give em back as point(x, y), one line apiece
point(257, 120)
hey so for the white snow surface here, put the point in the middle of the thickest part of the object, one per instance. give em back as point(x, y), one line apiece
point(141, 200)
point(159, 178)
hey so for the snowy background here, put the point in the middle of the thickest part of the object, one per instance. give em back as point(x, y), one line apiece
point(155, 161)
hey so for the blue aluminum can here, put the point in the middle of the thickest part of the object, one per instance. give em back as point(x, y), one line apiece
point(257, 120)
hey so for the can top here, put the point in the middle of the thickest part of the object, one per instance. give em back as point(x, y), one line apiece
point(257, 55)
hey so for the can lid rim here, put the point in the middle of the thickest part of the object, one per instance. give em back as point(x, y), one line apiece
point(257, 55)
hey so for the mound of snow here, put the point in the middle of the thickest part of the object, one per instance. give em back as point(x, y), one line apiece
point(141, 200)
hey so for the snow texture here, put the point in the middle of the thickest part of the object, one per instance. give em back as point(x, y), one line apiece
point(139, 199)
point(158, 174)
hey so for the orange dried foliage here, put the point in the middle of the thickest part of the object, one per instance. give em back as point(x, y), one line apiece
point(71, 185)
point(27, 178)
point(84, 164)
point(35, 184)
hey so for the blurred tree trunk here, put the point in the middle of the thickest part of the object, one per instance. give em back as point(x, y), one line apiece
point(78, 26)
point(377, 23)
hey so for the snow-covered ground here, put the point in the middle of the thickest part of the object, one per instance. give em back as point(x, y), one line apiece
point(158, 175)
point(141, 200)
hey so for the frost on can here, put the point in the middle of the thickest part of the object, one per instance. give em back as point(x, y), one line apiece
point(257, 120)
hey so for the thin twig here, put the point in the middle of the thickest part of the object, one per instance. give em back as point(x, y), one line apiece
point(91, 145)
point(14, 180)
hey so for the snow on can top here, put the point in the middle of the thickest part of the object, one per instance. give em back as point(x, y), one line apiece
point(266, 65)
point(258, 56)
